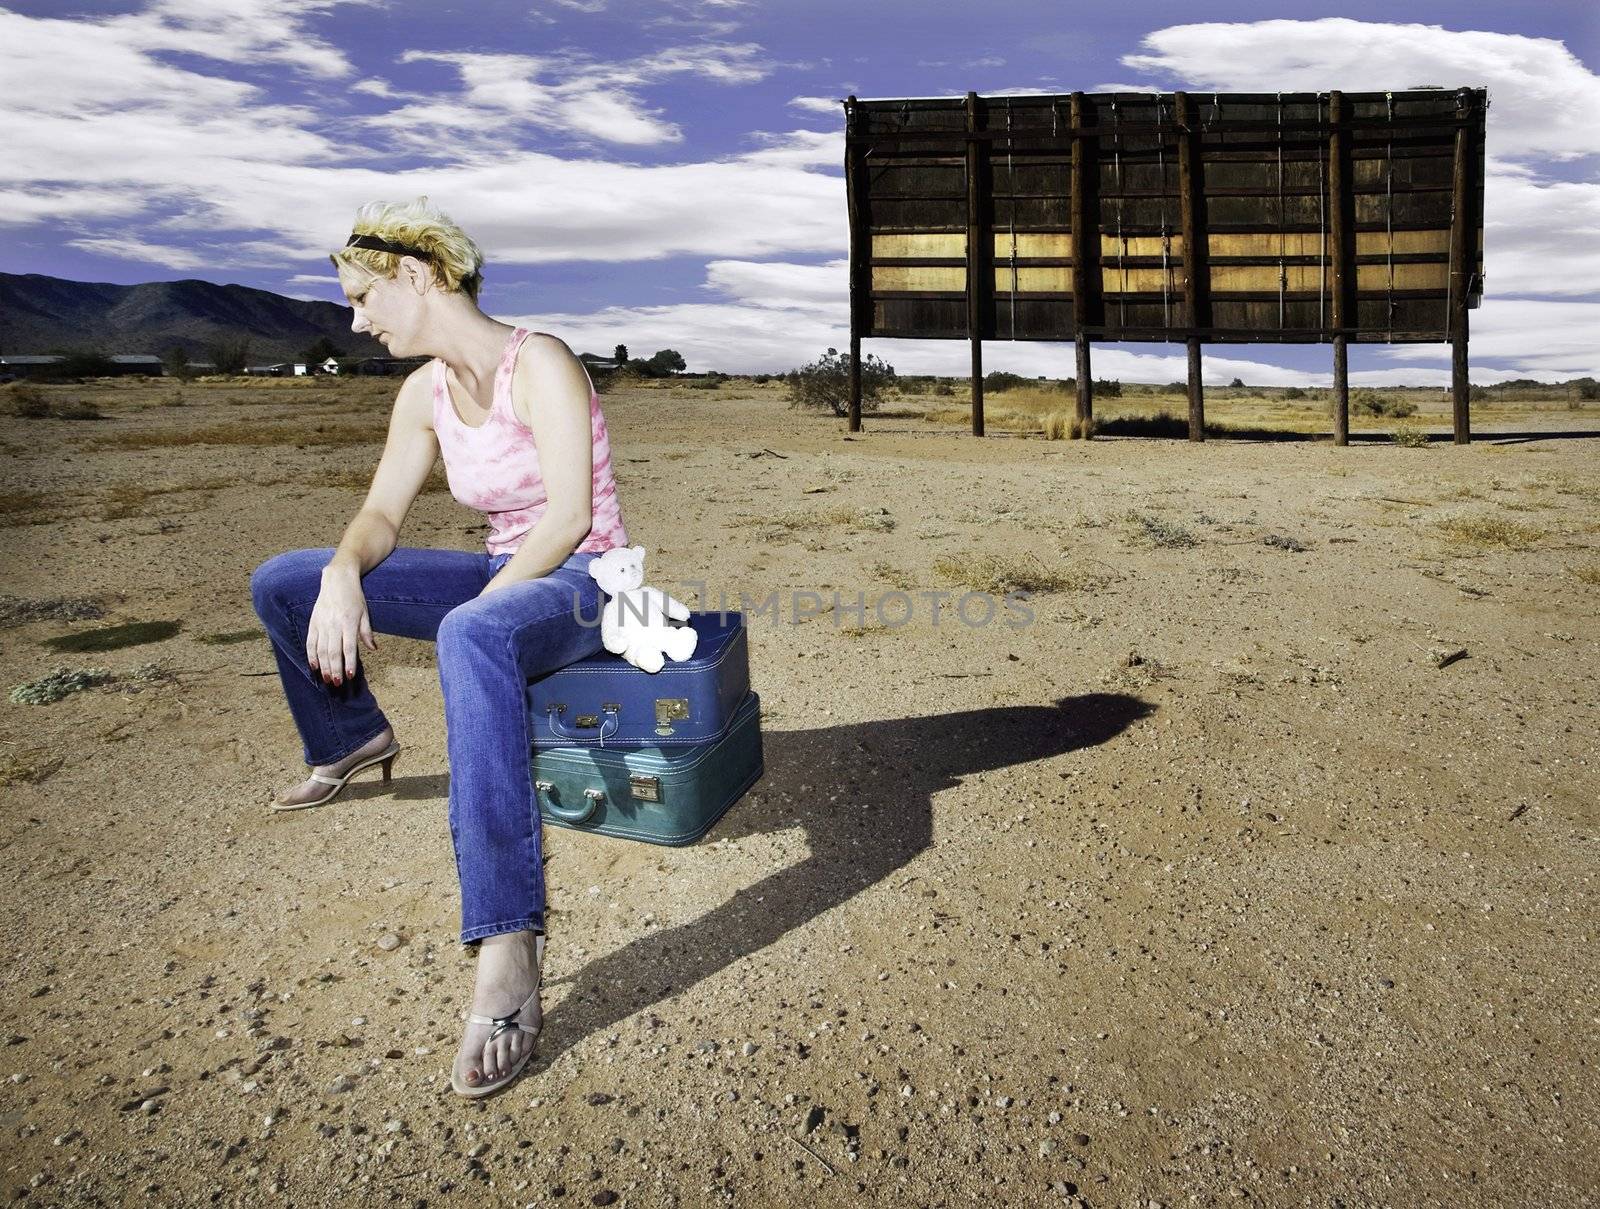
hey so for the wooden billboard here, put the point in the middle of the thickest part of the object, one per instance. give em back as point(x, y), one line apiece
point(1231, 218)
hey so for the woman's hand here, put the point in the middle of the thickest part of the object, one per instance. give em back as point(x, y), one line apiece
point(338, 623)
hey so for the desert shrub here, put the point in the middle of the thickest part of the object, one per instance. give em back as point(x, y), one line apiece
point(1294, 392)
point(761, 379)
point(17, 610)
point(1000, 380)
point(26, 401)
point(1409, 438)
point(1107, 388)
point(943, 388)
point(825, 383)
point(1376, 403)
point(1588, 389)
point(1236, 384)
point(1490, 531)
point(58, 683)
point(1154, 531)
point(706, 384)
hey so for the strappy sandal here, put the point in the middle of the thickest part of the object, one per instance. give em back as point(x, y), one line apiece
point(501, 1025)
point(337, 784)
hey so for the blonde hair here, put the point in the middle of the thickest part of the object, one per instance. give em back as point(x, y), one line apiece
point(456, 261)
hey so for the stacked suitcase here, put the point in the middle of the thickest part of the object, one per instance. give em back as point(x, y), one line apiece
point(658, 757)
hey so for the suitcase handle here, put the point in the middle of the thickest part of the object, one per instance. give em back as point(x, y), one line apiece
point(579, 814)
point(613, 718)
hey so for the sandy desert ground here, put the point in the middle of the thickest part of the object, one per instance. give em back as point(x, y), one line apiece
point(1210, 885)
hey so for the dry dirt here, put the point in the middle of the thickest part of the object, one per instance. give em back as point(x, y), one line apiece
point(1209, 885)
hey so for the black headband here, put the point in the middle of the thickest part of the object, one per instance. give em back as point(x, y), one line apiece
point(379, 244)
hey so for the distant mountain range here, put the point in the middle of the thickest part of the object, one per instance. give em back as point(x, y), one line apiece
point(40, 314)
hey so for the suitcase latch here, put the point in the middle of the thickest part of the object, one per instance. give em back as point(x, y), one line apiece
point(668, 711)
point(645, 789)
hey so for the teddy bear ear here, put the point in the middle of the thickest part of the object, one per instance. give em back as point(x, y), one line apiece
point(639, 550)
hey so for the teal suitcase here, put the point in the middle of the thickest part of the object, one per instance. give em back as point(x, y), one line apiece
point(661, 795)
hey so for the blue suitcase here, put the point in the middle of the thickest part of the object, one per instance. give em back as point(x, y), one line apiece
point(604, 701)
point(661, 795)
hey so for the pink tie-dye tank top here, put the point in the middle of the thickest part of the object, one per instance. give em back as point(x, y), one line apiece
point(494, 467)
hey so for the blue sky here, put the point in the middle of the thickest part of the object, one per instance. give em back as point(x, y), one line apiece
point(666, 173)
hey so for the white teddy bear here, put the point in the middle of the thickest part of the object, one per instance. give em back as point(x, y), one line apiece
point(634, 623)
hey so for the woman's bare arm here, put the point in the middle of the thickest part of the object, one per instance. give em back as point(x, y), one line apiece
point(550, 383)
point(339, 619)
point(408, 455)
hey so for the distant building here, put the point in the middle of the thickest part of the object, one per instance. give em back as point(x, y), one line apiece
point(26, 365)
point(137, 363)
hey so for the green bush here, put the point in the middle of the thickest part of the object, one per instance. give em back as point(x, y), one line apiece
point(1000, 381)
point(824, 384)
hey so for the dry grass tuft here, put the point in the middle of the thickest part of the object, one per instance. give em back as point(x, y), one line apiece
point(287, 435)
point(893, 576)
point(25, 507)
point(1066, 426)
point(123, 500)
point(29, 767)
point(999, 574)
point(1490, 531)
point(1587, 573)
point(1154, 531)
point(840, 516)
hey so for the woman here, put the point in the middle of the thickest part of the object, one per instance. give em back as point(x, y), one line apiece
point(523, 439)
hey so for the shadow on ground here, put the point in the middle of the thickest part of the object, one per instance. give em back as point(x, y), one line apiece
point(891, 768)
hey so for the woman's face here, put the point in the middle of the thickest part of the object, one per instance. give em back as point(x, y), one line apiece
point(384, 306)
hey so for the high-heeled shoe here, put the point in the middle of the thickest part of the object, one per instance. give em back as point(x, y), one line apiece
point(502, 1024)
point(336, 785)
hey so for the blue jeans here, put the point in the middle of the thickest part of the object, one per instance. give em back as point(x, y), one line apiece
point(489, 648)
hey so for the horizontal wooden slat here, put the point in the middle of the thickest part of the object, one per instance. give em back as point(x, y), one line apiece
point(928, 243)
point(897, 278)
point(1055, 279)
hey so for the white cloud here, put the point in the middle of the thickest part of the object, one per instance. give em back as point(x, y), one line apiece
point(1543, 99)
point(98, 127)
point(1540, 236)
point(235, 31)
point(134, 249)
point(569, 93)
point(823, 287)
point(826, 105)
point(1523, 337)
